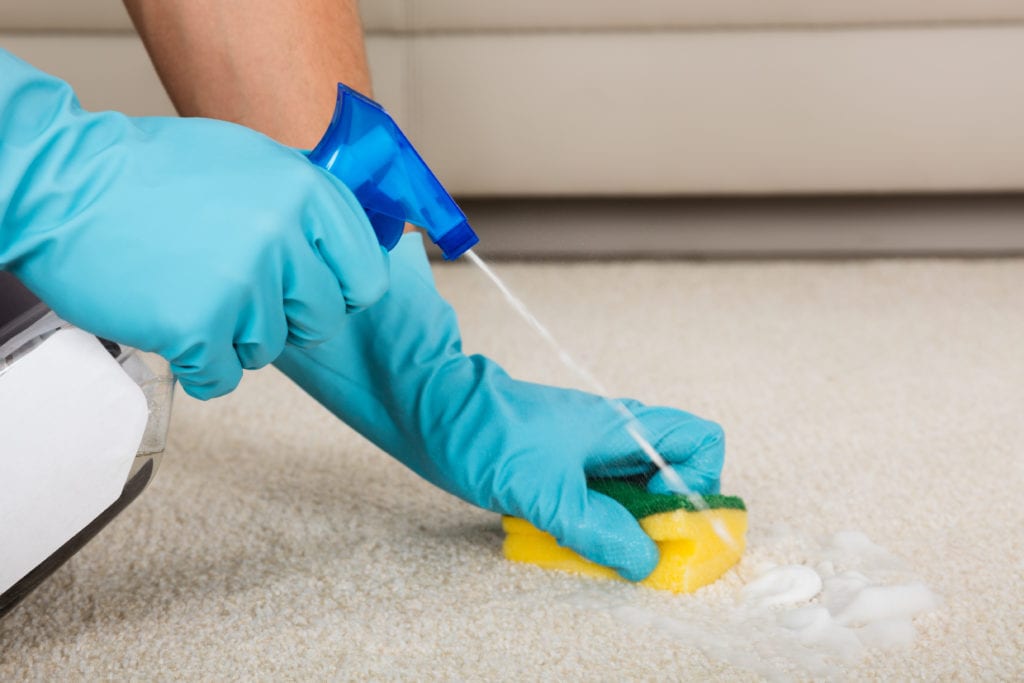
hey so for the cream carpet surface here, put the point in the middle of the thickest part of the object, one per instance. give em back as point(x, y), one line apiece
point(885, 397)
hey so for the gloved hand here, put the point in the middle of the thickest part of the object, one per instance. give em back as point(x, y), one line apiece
point(200, 240)
point(397, 374)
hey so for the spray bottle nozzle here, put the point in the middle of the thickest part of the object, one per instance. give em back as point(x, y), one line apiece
point(367, 151)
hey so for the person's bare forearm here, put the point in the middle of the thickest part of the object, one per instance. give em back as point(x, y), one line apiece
point(270, 65)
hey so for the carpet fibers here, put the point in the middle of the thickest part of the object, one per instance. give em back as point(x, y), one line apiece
point(885, 397)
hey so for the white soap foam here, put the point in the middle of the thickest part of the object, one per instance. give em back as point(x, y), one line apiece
point(838, 601)
point(854, 610)
point(746, 639)
point(815, 627)
point(842, 589)
point(826, 569)
point(876, 604)
point(782, 586)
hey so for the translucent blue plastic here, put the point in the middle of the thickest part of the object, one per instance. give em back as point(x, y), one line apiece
point(368, 152)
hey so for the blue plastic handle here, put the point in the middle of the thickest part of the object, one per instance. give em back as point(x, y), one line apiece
point(366, 150)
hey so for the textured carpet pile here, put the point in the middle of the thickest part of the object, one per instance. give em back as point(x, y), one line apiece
point(885, 397)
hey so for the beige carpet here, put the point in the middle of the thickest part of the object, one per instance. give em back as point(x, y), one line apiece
point(884, 397)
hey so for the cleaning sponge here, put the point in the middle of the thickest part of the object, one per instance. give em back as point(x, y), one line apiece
point(692, 552)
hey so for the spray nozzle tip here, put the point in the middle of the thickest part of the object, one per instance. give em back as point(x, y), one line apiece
point(457, 241)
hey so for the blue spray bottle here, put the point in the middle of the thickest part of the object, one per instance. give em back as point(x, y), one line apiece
point(367, 151)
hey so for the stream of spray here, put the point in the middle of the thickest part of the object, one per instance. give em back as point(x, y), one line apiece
point(633, 426)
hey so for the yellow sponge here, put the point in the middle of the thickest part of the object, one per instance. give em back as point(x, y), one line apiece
point(693, 554)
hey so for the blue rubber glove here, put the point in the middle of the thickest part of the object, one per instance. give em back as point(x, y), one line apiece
point(397, 375)
point(201, 240)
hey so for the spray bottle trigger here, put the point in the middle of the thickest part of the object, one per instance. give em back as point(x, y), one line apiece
point(366, 150)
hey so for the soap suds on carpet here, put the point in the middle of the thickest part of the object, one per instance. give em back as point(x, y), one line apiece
point(826, 606)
